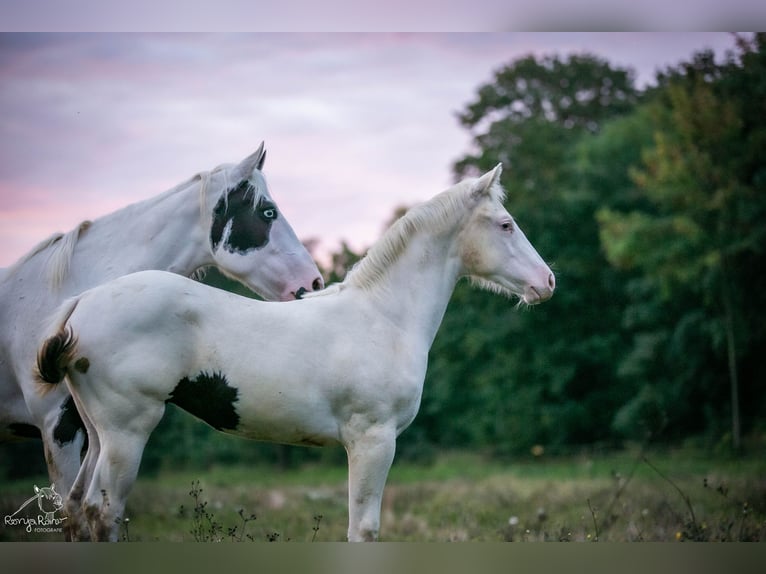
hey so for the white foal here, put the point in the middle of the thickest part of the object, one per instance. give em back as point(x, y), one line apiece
point(344, 365)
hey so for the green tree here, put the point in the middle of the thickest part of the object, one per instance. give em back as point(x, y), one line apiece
point(702, 228)
point(511, 378)
point(532, 100)
point(340, 264)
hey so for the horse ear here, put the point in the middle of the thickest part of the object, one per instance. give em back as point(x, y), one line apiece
point(486, 181)
point(263, 160)
point(252, 162)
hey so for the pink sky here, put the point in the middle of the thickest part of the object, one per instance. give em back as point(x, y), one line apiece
point(354, 124)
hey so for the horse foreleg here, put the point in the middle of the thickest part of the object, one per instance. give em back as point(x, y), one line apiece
point(369, 459)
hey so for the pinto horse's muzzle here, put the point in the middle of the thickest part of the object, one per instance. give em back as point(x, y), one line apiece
point(317, 285)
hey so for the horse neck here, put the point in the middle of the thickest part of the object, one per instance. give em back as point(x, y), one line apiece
point(416, 288)
point(163, 232)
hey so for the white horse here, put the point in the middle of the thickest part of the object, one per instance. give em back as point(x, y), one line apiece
point(344, 365)
point(224, 218)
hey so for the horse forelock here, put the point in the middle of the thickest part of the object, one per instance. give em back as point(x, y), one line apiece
point(255, 186)
point(437, 215)
point(497, 192)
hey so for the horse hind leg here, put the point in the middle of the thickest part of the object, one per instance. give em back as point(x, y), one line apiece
point(119, 418)
point(77, 524)
point(63, 435)
point(113, 475)
point(78, 529)
point(116, 468)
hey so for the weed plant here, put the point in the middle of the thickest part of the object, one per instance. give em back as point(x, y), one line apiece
point(661, 496)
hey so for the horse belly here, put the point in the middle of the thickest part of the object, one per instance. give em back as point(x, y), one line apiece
point(262, 394)
point(308, 389)
point(285, 411)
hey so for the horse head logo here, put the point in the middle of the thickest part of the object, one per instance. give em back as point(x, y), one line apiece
point(48, 501)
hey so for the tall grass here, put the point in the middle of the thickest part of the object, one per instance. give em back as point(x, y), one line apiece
point(632, 496)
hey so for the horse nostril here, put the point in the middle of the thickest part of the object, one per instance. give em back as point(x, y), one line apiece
point(552, 281)
point(317, 284)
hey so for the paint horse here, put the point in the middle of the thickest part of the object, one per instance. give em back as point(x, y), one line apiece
point(224, 218)
point(343, 365)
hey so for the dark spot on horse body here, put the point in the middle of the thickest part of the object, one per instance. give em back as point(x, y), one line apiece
point(69, 423)
point(23, 430)
point(82, 364)
point(208, 397)
point(250, 224)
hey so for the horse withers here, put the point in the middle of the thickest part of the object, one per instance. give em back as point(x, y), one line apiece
point(343, 365)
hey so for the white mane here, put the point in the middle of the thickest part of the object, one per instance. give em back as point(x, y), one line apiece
point(62, 245)
point(437, 215)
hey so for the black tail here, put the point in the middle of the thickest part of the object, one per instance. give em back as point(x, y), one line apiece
point(58, 350)
point(54, 356)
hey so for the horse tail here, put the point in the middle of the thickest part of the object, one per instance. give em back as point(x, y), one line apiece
point(57, 351)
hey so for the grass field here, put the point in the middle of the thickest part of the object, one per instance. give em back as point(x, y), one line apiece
point(659, 496)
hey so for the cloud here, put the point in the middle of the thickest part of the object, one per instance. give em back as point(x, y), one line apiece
point(354, 124)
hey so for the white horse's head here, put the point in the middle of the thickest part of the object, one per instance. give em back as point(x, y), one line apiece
point(252, 241)
point(494, 252)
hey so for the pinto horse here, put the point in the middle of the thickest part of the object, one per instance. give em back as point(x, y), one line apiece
point(224, 218)
point(343, 365)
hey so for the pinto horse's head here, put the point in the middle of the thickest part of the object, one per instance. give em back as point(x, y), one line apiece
point(494, 252)
point(251, 239)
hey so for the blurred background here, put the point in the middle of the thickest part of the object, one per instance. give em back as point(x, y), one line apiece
point(634, 163)
point(650, 204)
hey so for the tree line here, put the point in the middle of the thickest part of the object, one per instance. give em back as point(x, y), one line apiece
point(650, 204)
